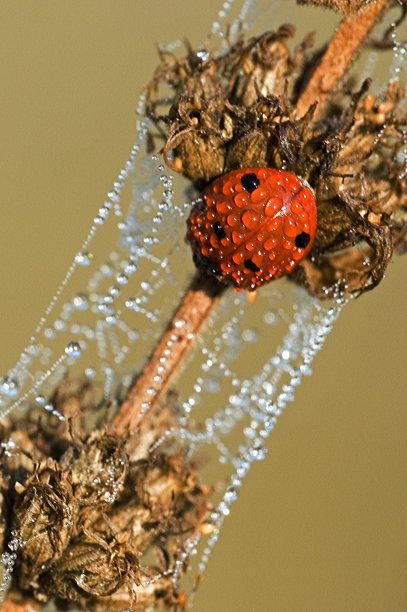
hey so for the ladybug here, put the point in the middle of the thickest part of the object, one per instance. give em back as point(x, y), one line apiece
point(252, 226)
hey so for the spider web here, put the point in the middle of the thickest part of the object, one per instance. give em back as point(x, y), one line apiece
point(119, 294)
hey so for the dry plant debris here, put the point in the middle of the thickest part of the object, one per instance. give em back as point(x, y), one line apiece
point(99, 527)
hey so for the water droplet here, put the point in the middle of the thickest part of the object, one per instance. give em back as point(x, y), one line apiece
point(250, 335)
point(203, 55)
point(224, 508)
point(113, 196)
point(105, 309)
point(270, 318)
point(122, 279)
point(131, 303)
point(258, 453)
point(130, 268)
point(305, 369)
point(133, 335)
point(49, 333)
point(9, 386)
point(114, 291)
point(34, 350)
point(107, 269)
point(104, 210)
point(10, 448)
point(25, 359)
point(269, 388)
point(230, 495)
point(83, 258)
point(212, 386)
point(80, 301)
point(73, 349)
point(111, 319)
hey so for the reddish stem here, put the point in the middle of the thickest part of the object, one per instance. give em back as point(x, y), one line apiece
point(150, 388)
point(18, 605)
point(337, 58)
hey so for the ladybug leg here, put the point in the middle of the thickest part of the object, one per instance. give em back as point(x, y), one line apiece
point(251, 296)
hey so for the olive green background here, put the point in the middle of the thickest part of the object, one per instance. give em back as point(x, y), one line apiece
point(321, 523)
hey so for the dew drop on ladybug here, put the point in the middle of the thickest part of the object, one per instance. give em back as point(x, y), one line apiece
point(252, 226)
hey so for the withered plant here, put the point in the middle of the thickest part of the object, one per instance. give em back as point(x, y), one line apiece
point(106, 517)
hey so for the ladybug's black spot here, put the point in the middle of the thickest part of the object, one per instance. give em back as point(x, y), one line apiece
point(219, 231)
point(250, 265)
point(302, 240)
point(250, 182)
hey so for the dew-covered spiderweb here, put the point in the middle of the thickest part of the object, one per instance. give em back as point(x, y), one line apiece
point(121, 291)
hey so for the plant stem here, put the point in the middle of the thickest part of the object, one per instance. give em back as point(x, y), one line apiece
point(337, 58)
point(204, 294)
point(9, 605)
point(169, 355)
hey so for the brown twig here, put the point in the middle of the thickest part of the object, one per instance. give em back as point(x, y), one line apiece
point(149, 389)
point(338, 57)
point(203, 295)
point(11, 605)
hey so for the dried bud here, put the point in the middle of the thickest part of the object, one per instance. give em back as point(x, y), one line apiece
point(205, 119)
point(44, 518)
point(263, 65)
point(195, 143)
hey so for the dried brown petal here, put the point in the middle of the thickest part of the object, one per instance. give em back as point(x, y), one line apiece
point(44, 518)
point(264, 63)
point(91, 568)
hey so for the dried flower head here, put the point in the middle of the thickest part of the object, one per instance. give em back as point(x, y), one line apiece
point(89, 515)
point(239, 110)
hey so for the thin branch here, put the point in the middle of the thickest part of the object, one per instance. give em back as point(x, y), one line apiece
point(150, 388)
point(9, 605)
point(339, 55)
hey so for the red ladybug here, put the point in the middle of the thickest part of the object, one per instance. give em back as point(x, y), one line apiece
point(252, 226)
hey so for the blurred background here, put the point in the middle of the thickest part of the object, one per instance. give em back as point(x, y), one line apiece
point(320, 524)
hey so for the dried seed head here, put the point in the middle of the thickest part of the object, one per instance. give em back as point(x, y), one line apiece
point(209, 96)
point(44, 516)
point(100, 528)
